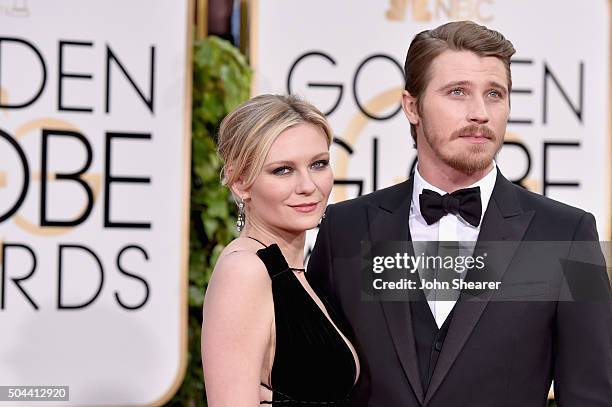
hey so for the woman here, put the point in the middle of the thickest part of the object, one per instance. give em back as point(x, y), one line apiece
point(267, 338)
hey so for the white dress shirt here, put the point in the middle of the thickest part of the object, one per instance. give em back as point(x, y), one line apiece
point(449, 228)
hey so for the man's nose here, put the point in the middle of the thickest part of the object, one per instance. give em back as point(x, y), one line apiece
point(478, 111)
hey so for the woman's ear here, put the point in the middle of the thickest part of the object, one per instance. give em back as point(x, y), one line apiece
point(409, 105)
point(239, 189)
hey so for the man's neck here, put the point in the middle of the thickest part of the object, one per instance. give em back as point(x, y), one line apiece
point(449, 179)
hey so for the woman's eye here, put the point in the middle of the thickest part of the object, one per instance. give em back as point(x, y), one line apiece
point(320, 164)
point(281, 171)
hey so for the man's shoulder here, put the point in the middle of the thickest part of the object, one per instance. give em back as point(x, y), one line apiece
point(550, 207)
point(385, 196)
point(550, 219)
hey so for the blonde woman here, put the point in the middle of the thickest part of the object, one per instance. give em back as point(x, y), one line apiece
point(267, 337)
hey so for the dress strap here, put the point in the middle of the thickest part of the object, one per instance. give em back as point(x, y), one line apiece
point(273, 258)
point(258, 241)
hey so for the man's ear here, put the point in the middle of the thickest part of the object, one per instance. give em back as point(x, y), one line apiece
point(409, 105)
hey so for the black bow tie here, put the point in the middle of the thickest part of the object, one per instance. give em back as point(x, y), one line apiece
point(464, 202)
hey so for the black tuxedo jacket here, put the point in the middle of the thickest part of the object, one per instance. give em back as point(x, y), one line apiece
point(495, 353)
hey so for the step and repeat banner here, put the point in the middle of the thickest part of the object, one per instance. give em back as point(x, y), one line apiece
point(347, 57)
point(94, 197)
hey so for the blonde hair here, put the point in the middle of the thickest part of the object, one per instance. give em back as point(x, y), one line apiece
point(248, 132)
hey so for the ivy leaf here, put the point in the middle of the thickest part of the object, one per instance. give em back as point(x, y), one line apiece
point(221, 81)
point(218, 209)
point(196, 297)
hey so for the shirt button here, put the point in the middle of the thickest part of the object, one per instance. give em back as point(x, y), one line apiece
point(438, 345)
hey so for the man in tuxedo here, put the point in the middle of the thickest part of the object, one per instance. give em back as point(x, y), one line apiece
point(463, 352)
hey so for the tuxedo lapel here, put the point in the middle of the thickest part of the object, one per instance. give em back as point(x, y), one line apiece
point(504, 220)
point(388, 221)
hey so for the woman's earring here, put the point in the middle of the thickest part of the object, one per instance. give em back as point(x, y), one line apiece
point(240, 220)
point(322, 217)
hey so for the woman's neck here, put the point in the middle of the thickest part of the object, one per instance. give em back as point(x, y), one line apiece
point(290, 243)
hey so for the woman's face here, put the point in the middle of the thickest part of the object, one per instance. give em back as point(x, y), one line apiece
point(291, 191)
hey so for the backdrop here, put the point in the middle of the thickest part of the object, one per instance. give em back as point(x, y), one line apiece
point(94, 189)
point(347, 57)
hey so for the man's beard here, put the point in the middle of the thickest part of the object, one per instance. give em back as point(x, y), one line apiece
point(474, 158)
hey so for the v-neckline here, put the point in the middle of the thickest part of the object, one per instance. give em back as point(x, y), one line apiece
point(324, 312)
point(328, 316)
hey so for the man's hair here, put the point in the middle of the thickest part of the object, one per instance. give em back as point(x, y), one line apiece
point(455, 36)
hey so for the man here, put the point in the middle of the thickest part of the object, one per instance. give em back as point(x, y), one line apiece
point(464, 353)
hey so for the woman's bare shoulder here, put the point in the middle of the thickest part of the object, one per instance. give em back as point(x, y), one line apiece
point(238, 264)
point(239, 294)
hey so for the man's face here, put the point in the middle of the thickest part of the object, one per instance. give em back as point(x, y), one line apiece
point(463, 112)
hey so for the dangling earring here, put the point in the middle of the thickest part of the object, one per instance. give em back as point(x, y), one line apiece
point(322, 217)
point(240, 220)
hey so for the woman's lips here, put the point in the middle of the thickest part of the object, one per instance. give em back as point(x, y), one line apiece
point(305, 208)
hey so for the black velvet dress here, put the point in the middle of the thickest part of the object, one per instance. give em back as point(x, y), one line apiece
point(313, 365)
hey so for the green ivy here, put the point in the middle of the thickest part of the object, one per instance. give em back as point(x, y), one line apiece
point(221, 81)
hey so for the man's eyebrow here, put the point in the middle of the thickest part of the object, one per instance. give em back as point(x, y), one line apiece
point(495, 84)
point(455, 83)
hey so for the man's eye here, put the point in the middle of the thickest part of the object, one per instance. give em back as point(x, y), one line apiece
point(495, 94)
point(282, 170)
point(456, 92)
point(320, 164)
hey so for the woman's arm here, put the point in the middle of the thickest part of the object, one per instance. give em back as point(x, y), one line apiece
point(238, 315)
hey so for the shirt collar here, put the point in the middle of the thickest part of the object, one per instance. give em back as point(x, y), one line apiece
point(486, 184)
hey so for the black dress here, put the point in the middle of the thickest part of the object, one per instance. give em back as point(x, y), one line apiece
point(313, 365)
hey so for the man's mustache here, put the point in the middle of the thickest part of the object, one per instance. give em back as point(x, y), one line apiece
point(475, 129)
